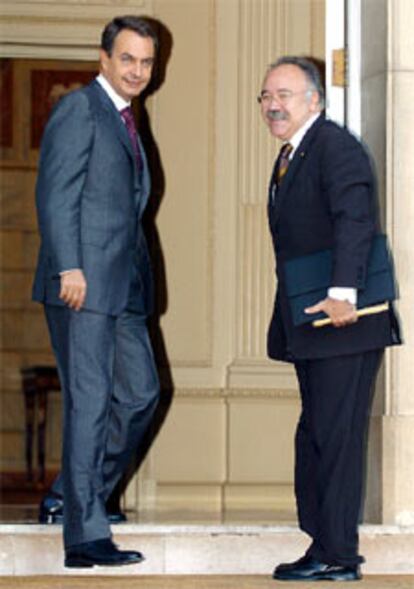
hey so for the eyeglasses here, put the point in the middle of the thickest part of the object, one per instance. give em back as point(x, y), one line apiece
point(282, 96)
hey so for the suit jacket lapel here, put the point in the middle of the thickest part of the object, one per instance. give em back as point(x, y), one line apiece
point(121, 131)
point(295, 165)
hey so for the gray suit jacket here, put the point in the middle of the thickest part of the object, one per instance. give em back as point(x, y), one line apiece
point(90, 198)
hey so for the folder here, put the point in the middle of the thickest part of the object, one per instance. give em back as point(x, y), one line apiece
point(309, 277)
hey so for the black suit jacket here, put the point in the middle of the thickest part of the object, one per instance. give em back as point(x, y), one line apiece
point(327, 200)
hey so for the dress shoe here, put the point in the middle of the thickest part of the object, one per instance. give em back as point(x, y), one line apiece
point(100, 553)
point(310, 569)
point(116, 517)
point(288, 566)
point(51, 511)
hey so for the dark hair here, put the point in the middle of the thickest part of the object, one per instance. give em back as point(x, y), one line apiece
point(309, 68)
point(138, 24)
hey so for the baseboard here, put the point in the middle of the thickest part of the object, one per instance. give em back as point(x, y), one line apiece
point(15, 488)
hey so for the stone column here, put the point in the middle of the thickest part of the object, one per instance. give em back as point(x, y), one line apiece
point(398, 421)
point(366, 115)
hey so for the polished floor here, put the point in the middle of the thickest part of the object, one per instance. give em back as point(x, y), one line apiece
point(27, 514)
point(19, 501)
point(189, 550)
point(192, 582)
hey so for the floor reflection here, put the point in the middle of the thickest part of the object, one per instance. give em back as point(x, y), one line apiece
point(27, 514)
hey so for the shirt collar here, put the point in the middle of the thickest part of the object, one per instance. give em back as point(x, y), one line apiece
point(118, 101)
point(300, 133)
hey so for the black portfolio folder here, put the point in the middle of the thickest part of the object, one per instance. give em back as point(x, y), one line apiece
point(309, 277)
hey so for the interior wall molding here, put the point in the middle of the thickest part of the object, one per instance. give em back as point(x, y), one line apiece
point(30, 51)
point(262, 375)
point(276, 392)
point(59, 30)
point(249, 374)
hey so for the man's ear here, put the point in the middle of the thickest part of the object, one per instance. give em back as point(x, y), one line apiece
point(103, 58)
point(314, 102)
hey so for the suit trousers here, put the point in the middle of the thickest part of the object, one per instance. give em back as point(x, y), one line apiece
point(330, 449)
point(110, 392)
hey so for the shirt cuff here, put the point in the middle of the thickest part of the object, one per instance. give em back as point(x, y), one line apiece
point(67, 271)
point(341, 293)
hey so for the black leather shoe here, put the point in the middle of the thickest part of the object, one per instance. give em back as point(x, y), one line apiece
point(310, 569)
point(100, 553)
point(116, 517)
point(51, 511)
point(288, 566)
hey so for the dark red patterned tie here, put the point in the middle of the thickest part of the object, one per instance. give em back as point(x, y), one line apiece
point(128, 118)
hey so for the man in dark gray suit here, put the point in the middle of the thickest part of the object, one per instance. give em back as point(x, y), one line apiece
point(94, 279)
point(322, 197)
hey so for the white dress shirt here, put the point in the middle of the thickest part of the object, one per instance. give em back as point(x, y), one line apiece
point(118, 101)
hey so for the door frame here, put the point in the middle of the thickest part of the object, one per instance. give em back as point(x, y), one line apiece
point(343, 31)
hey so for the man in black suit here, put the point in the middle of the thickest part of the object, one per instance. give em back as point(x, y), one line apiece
point(322, 196)
point(94, 280)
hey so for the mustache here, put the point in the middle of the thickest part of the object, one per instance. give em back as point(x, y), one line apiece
point(276, 115)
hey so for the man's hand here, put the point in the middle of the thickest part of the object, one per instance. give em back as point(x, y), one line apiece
point(73, 289)
point(341, 313)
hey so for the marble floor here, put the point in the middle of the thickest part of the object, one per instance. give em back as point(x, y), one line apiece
point(190, 582)
point(190, 550)
point(27, 514)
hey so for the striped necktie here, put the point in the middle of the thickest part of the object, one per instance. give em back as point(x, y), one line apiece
point(283, 162)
